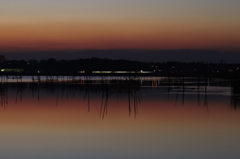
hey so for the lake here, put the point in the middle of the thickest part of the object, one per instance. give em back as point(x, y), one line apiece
point(169, 118)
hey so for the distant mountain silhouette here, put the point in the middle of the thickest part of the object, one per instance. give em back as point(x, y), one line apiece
point(186, 55)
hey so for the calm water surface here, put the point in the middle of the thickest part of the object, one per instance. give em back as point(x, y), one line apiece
point(138, 120)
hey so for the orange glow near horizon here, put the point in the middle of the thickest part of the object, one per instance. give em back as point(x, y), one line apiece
point(61, 36)
point(153, 25)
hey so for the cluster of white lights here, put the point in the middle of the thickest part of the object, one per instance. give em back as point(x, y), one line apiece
point(141, 71)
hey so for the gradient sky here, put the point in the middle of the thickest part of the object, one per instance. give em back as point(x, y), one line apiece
point(115, 24)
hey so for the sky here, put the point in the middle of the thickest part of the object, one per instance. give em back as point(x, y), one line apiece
point(33, 25)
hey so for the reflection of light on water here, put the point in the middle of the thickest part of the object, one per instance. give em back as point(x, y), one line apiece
point(43, 78)
point(210, 90)
point(213, 90)
point(186, 80)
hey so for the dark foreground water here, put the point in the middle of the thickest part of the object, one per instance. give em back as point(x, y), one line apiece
point(129, 120)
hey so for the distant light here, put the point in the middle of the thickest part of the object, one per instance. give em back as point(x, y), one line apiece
point(141, 71)
point(81, 71)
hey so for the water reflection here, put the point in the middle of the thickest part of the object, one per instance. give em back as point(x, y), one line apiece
point(120, 119)
point(131, 89)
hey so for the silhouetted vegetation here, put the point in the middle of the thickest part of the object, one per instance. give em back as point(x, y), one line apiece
point(235, 97)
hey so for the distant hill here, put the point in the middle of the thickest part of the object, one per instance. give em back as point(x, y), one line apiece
point(138, 55)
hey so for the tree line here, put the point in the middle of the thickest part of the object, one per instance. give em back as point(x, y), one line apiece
point(72, 67)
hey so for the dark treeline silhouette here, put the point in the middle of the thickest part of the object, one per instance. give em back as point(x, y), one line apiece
point(86, 66)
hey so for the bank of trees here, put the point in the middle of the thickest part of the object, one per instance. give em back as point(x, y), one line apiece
point(68, 67)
